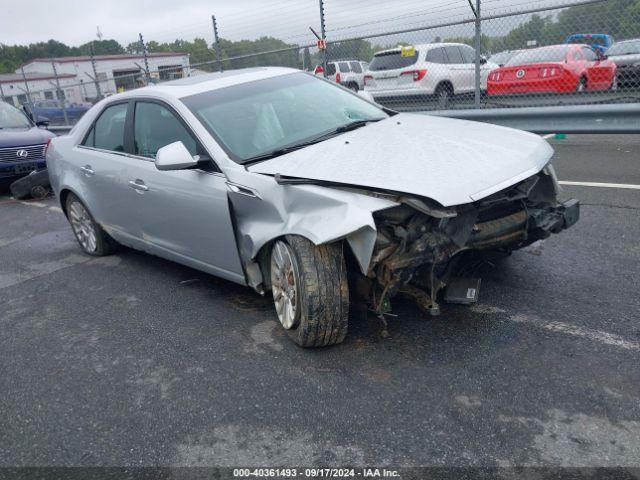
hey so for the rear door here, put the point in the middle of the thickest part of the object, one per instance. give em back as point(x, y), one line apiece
point(103, 168)
point(462, 73)
point(184, 214)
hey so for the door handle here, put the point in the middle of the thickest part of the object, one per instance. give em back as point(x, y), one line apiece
point(138, 185)
point(87, 170)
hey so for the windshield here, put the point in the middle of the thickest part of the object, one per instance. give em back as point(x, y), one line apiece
point(625, 48)
point(11, 117)
point(540, 55)
point(256, 118)
point(392, 60)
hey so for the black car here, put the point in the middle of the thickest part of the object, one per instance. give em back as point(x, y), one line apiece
point(22, 144)
point(626, 55)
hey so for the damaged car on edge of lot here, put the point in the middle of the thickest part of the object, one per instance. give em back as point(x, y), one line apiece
point(285, 182)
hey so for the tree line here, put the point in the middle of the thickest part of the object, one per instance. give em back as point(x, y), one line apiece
point(620, 18)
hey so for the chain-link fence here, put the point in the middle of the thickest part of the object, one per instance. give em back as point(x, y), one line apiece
point(443, 55)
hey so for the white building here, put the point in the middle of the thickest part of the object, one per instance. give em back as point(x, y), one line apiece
point(115, 73)
point(38, 86)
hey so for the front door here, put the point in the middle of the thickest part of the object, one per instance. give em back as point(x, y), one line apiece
point(183, 214)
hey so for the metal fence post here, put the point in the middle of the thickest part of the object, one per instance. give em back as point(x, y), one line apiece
point(216, 42)
point(478, 48)
point(95, 74)
point(59, 93)
point(26, 84)
point(146, 60)
point(1, 94)
point(324, 38)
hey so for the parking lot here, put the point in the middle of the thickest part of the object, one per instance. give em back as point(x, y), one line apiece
point(133, 360)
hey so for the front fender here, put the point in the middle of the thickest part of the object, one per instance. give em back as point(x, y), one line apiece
point(321, 214)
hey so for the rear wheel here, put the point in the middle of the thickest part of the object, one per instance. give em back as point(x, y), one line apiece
point(444, 94)
point(91, 237)
point(353, 86)
point(310, 291)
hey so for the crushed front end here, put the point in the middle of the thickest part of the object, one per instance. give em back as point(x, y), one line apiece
point(423, 248)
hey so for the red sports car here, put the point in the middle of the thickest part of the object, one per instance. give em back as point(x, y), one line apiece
point(553, 69)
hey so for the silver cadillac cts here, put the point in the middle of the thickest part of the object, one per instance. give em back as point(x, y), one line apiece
point(279, 180)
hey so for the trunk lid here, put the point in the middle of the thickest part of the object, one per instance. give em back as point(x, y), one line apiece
point(450, 161)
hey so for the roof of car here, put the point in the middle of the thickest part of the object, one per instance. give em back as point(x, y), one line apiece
point(421, 46)
point(185, 87)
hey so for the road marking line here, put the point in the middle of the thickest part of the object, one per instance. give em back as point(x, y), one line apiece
point(595, 335)
point(549, 135)
point(601, 185)
point(55, 209)
point(35, 204)
point(560, 327)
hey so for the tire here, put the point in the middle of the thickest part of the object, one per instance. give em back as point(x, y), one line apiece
point(353, 86)
point(443, 93)
point(313, 302)
point(90, 236)
point(582, 85)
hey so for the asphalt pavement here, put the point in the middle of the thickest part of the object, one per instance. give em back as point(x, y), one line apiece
point(133, 360)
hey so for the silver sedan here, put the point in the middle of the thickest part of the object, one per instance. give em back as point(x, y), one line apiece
point(284, 182)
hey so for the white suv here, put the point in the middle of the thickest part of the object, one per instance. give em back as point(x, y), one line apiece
point(349, 73)
point(441, 69)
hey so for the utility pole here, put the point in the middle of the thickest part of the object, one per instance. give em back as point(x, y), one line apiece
point(95, 74)
point(216, 42)
point(324, 38)
point(146, 60)
point(478, 47)
point(60, 94)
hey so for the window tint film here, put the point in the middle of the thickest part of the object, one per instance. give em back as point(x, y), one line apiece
point(355, 67)
point(454, 55)
point(436, 55)
point(539, 55)
point(392, 61)
point(108, 131)
point(156, 127)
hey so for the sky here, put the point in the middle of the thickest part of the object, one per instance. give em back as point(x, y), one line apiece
point(75, 21)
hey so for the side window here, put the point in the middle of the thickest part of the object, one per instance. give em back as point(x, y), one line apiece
point(468, 54)
point(108, 131)
point(577, 55)
point(590, 54)
point(331, 69)
point(454, 55)
point(344, 67)
point(355, 67)
point(436, 55)
point(156, 127)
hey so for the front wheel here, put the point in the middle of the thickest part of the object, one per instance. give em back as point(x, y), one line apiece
point(582, 85)
point(310, 291)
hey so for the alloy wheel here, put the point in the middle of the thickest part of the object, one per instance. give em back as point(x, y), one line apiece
point(83, 227)
point(284, 283)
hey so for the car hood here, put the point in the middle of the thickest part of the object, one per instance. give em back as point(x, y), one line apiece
point(450, 161)
point(19, 137)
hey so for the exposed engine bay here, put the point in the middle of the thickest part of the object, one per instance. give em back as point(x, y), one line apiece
point(421, 247)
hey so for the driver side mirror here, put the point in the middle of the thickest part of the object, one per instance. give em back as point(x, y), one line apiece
point(42, 121)
point(174, 156)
